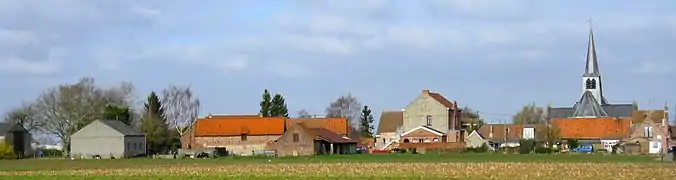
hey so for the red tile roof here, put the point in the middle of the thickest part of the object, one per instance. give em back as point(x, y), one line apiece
point(336, 125)
point(237, 125)
point(439, 98)
point(325, 134)
point(593, 128)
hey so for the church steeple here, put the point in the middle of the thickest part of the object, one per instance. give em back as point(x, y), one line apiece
point(591, 79)
point(592, 66)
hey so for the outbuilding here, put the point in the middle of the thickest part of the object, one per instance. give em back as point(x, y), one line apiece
point(107, 139)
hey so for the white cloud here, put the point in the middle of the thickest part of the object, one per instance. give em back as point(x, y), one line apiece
point(22, 66)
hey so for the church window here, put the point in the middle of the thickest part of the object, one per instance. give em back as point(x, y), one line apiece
point(588, 84)
point(593, 84)
point(429, 120)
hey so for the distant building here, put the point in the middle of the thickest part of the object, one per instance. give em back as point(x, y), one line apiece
point(593, 120)
point(107, 139)
point(18, 137)
point(247, 134)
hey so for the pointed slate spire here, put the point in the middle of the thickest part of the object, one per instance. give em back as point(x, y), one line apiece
point(592, 66)
point(588, 107)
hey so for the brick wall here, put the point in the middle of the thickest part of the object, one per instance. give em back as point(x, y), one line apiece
point(303, 145)
point(234, 144)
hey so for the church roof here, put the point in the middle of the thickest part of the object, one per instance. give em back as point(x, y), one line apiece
point(588, 107)
point(592, 66)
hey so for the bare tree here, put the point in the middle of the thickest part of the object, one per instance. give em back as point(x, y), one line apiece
point(346, 107)
point(65, 109)
point(530, 114)
point(181, 108)
point(24, 116)
point(304, 114)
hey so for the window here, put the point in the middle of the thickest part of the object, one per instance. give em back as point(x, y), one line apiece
point(296, 137)
point(429, 120)
point(590, 84)
point(243, 138)
point(135, 146)
point(648, 131)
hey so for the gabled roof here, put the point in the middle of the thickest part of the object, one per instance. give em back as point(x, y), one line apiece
point(238, 125)
point(336, 125)
point(441, 99)
point(588, 107)
point(324, 134)
point(390, 121)
point(502, 132)
point(648, 121)
point(423, 128)
point(654, 115)
point(475, 132)
point(120, 127)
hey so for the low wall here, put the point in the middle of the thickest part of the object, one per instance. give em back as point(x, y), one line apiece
point(434, 147)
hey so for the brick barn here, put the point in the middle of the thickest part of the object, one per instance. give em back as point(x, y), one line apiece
point(300, 140)
point(238, 134)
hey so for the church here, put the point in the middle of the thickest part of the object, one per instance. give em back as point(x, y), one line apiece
point(592, 119)
point(592, 103)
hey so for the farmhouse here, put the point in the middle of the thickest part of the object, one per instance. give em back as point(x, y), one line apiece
point(431, 118)
point(650, 135)
point(246, 134)
point(300, 139)
point(107, 139)
point(16, 136)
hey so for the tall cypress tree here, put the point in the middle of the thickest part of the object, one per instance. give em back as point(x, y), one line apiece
point(366, 122)
point(278, 107)
point(154, 125)
point(266, 104)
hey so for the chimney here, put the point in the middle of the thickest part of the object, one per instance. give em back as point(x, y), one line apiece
point(426, 91)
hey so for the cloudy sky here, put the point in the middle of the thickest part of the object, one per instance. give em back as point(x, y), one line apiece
point(493, 56)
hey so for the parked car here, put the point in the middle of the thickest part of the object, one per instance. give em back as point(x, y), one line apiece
point(584, 148)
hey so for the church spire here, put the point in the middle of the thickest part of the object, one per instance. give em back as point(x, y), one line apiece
point(592, 66)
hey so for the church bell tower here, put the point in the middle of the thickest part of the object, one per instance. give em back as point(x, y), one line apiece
point(591, 79)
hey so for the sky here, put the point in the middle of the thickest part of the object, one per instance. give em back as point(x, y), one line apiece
point(491, 56)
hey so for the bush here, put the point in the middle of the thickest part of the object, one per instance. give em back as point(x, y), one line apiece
point(481, 149)
point(7, 151)
point(543, 150)
point(572, 144)
point(526, 146)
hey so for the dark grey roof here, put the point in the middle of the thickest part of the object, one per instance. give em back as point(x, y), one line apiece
point(592, 67)
point(562, 112)
point(619, 110)
point(588, 107)
point(6, 127)
point(613, 110)
point(121, 127)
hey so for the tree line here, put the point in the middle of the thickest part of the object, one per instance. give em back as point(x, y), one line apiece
point(64, 109)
